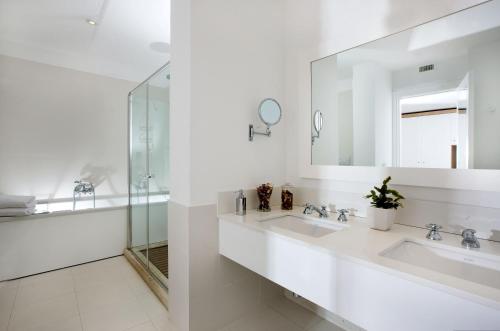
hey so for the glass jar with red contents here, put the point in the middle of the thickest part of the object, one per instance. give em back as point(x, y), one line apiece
point(286, 197)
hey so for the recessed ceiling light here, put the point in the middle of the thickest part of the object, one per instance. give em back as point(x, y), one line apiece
point(91, 21)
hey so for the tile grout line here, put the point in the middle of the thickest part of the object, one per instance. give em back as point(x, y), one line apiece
point(11, 315)
point(138, 295)
point(76, 298)
point(137, 298)
point(63, 268)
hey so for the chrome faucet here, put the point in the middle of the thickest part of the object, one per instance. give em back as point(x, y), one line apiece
point(342, 216)
point(470, 239)
point(433, 231)
point(83, 187)
point(309, 208)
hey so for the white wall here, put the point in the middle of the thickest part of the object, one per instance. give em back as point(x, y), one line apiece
point(382, 106)
point(58, 125)
point(232, 70)
point(222, 75)
point(372, 115)
point(345, 129)
point(363, 114)
point(486, 105)
point(226, 57)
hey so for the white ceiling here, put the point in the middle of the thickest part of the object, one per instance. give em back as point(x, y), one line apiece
point(128, 41)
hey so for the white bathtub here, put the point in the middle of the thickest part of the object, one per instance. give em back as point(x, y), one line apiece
point(57, 236)
point(66, 205)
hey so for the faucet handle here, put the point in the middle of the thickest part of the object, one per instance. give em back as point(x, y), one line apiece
point(433, 227)
point(324, 211)
point(342, 216)
point(468, 233)
point(434, 231)
point(470, 239)
point(307, 209)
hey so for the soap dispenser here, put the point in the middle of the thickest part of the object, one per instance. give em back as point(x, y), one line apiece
point(241, 203)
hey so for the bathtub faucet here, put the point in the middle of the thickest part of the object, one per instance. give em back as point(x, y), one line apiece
point(83, 187)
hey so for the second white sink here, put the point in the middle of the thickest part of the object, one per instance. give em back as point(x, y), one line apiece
point(301, 225)
point(461, 263)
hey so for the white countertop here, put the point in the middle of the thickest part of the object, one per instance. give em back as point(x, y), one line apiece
point(361, 244)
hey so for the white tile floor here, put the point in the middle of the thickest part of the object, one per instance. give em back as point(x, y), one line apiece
point(109, 295)
point(281, 315)
point(106, 295)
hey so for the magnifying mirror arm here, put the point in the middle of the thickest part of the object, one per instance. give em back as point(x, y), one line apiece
point(314, 137)
point(252, 132)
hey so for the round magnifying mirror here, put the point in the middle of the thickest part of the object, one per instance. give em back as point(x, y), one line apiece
point(318, 121)
point(270, 112)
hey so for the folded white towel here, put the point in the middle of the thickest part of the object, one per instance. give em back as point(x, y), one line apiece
point(17, 201)
point(7, 212)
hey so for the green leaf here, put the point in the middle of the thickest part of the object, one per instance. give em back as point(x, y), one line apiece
point(387, 180)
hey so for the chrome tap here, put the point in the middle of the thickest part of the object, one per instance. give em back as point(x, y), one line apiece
point(83, 187)
point(433, 231)
point(342, 216)
point(470, 239)
point(309, 208)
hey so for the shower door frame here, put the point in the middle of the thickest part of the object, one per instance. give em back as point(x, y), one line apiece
point(129, 148)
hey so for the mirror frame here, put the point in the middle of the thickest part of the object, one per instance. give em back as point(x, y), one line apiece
point(260, 112)
point(462, 179)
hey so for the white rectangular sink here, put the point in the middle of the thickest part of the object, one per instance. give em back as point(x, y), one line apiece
point(301, 225)
point(472, 266)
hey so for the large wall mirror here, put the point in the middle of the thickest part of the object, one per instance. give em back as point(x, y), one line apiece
point(427, 97)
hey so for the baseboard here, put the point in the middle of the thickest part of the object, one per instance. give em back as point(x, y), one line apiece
point(323, 313)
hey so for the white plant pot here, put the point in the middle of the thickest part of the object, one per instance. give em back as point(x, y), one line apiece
point(381, 219)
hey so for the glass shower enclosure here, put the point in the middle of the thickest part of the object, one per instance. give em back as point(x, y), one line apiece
point(149, 172)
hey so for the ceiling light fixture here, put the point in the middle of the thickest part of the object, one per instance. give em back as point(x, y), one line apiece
point(91, 21)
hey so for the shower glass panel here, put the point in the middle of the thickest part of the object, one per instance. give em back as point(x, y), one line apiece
point(149, 173)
